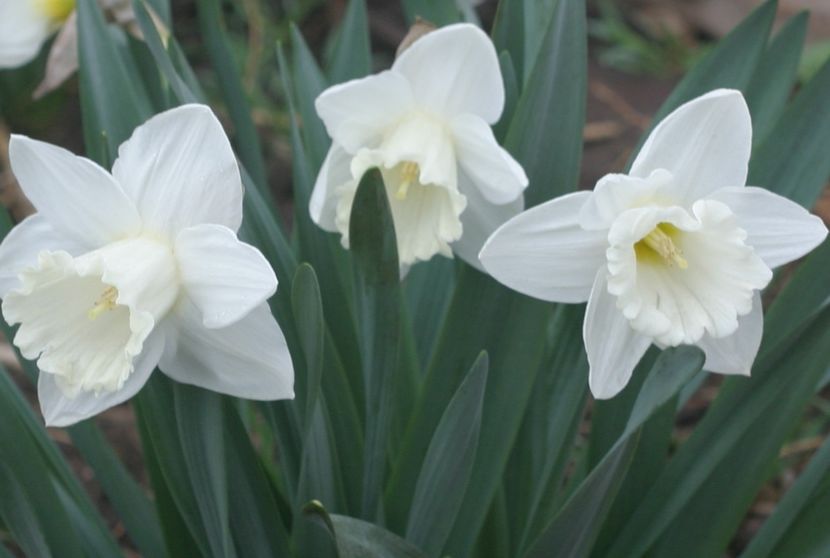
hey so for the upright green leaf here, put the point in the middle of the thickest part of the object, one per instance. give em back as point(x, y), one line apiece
point(308, 312)
point(774, 77)
point(549, 428)
point(201, 435)
point(687, 513)
point(508, 33)
point(377, 295)
point(361, 539)
point(256, 522)
point(111, 100)
point(574, 530)
point(250, 149)
point(127, 497)
point(439, 12)
point(730, 64)
point(546, 130)
point(793, 161)
point(793, 508)
point(351, 53)
point(448, 464)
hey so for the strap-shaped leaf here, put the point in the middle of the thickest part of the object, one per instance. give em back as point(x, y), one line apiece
point(448, 464)
point(574, 530)
point(774, 77)
point(793, 161)
point(360, 539)
point(545, 134)
point(730, 64)
point(113, 100)
point(378, 302)
point(351, 55)
point(794, 509)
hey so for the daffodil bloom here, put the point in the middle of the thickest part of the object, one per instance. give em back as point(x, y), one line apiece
point(426, 124)
point(26, 24)
point(119, 273)
point(675, 252)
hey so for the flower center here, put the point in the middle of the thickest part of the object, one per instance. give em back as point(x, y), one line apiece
point(410, 172)
point(660, 244)
point(105, 303)
point(56, 10)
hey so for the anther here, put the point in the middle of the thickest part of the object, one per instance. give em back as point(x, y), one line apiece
point(105, 303)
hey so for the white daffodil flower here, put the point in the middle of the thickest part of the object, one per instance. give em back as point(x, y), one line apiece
point(26, 24)
point(675, 252)
point(426, 124)
point(119, 273)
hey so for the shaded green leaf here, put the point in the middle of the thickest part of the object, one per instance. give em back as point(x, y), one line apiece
point(351, 53)
point(546, 131)
point(361, 539)
point(378, 300)
point(448, 464)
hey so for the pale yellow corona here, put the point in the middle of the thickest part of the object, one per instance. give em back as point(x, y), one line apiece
point(105, 303)
point(55, 10)
point(659, 241)
point(409, 174)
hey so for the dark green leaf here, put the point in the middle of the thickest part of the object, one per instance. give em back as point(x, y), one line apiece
point(546, 131)
point(201, 434)
point(378, 299)
point(439, 12)
point(250, 149)
point(774, 77)
point(448, 464)
point(361, 539)
point(574, 530)
point(793, 160)
point(308, 312)
point(112, 101)
point(791, 509)
point(730, 64)
point(351, 53)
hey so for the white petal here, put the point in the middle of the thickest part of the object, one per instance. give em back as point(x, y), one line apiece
point(20, 248)
point(78, 198)
point(499, 177)
point(735, 353)
point(779, 230)
point(704, 143)
point(22, 32)
point(60, 410)
point(479, 219)
point(545, 253)
point(455, 70)
point(248, 359)
point(425, 141)
point(615, 193)
point(225, 278)
point(180, 170)
point(613, 347)
point(334, 172)
point(357, 112)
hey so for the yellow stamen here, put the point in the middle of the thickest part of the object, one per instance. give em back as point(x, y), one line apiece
point(56, 10)
point(409, 174)
point(104, 304)
point(660, 242)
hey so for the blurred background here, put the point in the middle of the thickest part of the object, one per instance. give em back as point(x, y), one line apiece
point(638, 50)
